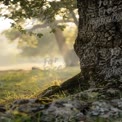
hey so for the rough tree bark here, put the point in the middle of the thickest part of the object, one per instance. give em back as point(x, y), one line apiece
point(99, 40)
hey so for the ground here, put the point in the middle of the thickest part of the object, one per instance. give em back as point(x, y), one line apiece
point(28, 84)
point(43, 96)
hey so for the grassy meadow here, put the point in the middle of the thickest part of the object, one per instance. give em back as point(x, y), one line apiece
point(19, 84)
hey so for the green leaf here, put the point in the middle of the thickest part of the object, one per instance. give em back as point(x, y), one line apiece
point(53, 30)
point(62, 27)
point(39, 35)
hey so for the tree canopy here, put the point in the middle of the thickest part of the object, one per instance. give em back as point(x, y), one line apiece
point(45, 13)
point(45, 10)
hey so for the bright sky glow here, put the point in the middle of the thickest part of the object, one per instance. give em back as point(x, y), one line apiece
point(4, 24)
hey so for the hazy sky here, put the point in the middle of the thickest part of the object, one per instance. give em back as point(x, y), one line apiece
point(4, 24)
point(7, 50)
point(10, 58)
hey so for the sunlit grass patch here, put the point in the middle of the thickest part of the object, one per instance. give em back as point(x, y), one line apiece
point(23, 84)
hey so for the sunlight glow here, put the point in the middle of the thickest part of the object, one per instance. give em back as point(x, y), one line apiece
point(5, 24)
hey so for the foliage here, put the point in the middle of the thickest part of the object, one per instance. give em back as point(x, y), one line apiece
point(32, 45)
point(44, 10)
point(35, 8)
point(44, 13)
point(24, 40)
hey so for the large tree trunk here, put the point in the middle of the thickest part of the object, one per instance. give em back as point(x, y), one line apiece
point(99, 40)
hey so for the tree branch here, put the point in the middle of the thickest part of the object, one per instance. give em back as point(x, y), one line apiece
point(44, 25)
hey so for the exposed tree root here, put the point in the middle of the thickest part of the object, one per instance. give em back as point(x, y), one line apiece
point(75, 83)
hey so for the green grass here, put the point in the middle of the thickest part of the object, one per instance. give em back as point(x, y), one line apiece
point(27, 84)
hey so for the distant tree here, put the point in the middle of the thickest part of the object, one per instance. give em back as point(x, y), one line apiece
point(32, 45)
point(45, 11)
